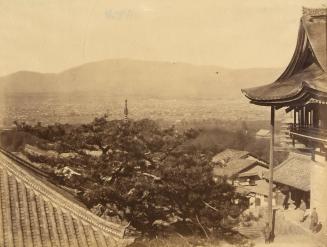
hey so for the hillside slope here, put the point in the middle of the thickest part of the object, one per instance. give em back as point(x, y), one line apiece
point(142, 78)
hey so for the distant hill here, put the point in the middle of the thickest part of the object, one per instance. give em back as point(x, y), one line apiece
point(142, 78)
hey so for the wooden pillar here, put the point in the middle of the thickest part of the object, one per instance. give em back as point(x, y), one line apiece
point(302, 117)
point(311, 115)
point(306, 116)
point(294, 118)
point(294, 127)
point(271, 166)
point(313, 154)
point(316, 117)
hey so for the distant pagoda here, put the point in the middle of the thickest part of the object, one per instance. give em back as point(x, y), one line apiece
point(126, 112)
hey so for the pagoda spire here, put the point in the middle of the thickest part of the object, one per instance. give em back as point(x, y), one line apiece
point(126, 111)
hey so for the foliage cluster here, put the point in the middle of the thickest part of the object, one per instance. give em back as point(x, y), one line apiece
point(144, 175)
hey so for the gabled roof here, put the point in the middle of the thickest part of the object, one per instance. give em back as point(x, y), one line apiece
point(294, 172)
point(263, 133)
point(33, 213)
point(262, 162)
point(228, 155)
point(261, 187)
point(305, 77)
point(254, 171)
point(233, 167)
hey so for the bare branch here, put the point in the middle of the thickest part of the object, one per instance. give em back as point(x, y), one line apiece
point(197, 218)
point(150, 175)
point(209, 206)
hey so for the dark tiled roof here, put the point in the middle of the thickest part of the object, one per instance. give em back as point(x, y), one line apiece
point(228, 155)
point(261, 187)
point(294, 172)
point(233, 167)
point(258, 170)
point(306, 74)
point(32, 213)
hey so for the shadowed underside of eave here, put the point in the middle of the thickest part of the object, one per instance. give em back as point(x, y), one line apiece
point(32, 214)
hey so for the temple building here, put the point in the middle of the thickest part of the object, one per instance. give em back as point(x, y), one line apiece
point(35, 212)
point(302, 90)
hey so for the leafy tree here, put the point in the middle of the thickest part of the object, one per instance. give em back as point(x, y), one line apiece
point(180, 190)
point(151, 177)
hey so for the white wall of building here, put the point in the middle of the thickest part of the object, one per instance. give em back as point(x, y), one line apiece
point(319, 189)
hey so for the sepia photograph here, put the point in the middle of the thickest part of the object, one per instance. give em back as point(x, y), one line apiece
point(155, 123)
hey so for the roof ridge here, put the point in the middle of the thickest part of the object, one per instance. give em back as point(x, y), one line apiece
point(310, 49)
point(292, 156)
point(309, 38)
point(314, 11)
point(56, 198)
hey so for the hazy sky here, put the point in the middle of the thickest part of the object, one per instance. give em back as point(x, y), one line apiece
point(52, 35)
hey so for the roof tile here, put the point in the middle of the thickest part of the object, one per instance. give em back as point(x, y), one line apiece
point(35, 214)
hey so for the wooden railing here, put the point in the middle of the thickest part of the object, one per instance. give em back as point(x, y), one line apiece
point(309, 133)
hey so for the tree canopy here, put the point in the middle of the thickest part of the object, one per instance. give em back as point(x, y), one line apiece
point(144, 175)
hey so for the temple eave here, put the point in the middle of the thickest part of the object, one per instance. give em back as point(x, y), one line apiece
point(299, 98)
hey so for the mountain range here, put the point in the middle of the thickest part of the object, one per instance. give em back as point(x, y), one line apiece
point(141, 78)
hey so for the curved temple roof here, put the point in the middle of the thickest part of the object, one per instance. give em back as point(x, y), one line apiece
point(32, 213)
point(306, 75)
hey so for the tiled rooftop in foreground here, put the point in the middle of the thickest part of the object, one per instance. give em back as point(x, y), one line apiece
point(34, 213)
